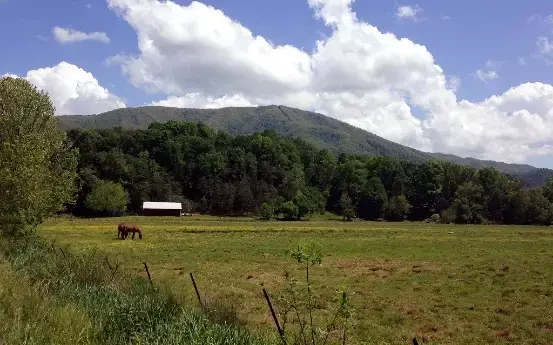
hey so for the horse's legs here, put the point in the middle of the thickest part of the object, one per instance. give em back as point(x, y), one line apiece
point(133, 232)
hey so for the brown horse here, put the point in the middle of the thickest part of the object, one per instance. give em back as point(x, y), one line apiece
point(124, 229)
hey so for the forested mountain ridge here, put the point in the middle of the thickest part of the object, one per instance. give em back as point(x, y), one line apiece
point(319, 130)
point(272, 176)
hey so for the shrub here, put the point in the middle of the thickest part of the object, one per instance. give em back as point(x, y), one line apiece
point(267, 211)
point(107, 198)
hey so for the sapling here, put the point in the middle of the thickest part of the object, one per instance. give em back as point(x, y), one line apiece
point(295, 304)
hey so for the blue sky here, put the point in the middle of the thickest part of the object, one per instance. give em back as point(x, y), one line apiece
point(462, 37)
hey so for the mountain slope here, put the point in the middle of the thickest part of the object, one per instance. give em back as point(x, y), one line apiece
point(320, 130)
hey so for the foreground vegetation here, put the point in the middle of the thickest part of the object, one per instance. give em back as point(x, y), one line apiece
point(50, 296)
point(451, 284)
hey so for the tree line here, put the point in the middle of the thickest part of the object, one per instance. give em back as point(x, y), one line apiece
point(276, 177)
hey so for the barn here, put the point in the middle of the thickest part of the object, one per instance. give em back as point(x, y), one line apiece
point(150, 208)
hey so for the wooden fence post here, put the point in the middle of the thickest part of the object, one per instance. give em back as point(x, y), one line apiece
point(196, 289)
point(275, 319)
point(149, 277)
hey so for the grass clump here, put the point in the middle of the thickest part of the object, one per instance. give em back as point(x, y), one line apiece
point(52, 296)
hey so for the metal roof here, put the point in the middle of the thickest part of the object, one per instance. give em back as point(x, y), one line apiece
point(162, 205)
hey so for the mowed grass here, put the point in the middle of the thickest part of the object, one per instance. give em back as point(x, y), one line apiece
point(451, 284)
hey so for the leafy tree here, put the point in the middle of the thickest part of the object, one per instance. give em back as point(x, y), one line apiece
point(515, 210)
point(373, 199)
point(346, 207)
point(267, 211)
point(38, 165)
point(547, 189)
point(397, 209)
point(107, 198)
point(305, 206)
point(289, 210)
point(469, 203)
point(539, 208)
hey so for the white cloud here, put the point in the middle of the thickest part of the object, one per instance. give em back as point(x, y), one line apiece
point(521, 61)
point(485, 76)
point(545, 47)
point(409, 12)
point(490, 71)
point(73, 90)
point(200, 57)
point(69, 35)
point(199, 100)
point(454, 83)
point(446, 17)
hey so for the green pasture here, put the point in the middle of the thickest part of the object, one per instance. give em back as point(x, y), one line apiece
point(451, 284)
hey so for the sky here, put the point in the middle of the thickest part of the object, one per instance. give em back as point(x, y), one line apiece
point(471, 78)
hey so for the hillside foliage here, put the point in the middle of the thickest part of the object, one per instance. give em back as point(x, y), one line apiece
point(322, 131)
point(276, 177)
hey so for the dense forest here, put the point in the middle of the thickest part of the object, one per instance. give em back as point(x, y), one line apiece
point(271, 176)
point(322, 131)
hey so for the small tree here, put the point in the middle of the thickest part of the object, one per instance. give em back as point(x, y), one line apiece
point(107, 198)
point(398, 208)
point(267, 211)
point(290, 210)
point(346, 206)
point(37, 163)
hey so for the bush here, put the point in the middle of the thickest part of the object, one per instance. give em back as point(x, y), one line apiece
point(397, 209)
point(267, 211)
point(107, 198)
point(289, 210)
point(435, 218)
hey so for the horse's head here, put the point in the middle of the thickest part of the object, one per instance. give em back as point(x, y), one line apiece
point(139, 234)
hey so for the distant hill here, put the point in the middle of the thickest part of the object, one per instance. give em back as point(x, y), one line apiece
point(320, 130)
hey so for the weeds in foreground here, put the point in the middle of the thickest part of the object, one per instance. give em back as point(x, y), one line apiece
point(120, 310)
point(297, 307)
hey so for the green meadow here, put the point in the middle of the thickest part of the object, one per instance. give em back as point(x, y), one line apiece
point(450, 284)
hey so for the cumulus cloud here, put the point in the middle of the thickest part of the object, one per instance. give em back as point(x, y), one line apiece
point(73, 90)
point(199, 100)
point(409, 12)
point(199, 57)
point(69, 35)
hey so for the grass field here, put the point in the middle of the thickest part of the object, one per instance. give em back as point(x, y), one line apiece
point(452, 284)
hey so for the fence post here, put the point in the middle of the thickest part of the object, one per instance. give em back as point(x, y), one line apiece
point(196, 289)
point(149, 277)
point(275, 319)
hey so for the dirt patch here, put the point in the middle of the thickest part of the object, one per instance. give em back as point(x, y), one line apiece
point(384, 268)
point(502, 333)
point(548, 327)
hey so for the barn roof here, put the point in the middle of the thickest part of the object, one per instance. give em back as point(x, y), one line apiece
point(162, 205)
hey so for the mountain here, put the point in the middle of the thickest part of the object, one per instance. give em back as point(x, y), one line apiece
point(320, 130)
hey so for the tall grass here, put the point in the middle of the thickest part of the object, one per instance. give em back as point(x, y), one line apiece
point(51, 296)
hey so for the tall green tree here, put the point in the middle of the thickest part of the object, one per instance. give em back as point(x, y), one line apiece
point(469, 203)
point(37, 163)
